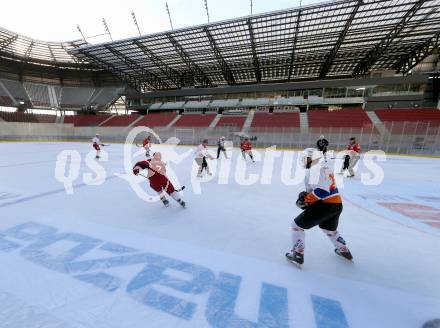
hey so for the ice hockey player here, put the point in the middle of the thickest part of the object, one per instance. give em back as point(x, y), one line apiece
point(352, 157)
point(159, 182)
point(221, 148)
point(322, 145)
point(146, 144)
point(97, 145)
point(246, 148)
point(201, 154)
point(322, 207)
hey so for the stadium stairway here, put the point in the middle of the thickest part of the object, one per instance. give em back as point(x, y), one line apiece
point(178, 117)
point(248, 123)
point(377, 123)
point(105, 121)
point(304, 122)
point(135, 121)
point(215, 121)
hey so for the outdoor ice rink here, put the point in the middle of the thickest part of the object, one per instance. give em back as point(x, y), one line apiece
point(101, 257)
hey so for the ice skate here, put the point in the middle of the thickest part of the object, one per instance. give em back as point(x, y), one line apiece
point(345, 253)
point(166, 202)
point(295, 258)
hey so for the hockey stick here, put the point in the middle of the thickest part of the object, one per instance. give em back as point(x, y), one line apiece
point(178, 190)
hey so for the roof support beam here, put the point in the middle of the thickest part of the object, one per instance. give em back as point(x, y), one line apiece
point(256, 62)
point(52, 54)
point(8, 41)
point(295, 40)
point(325, 67)
point(196, 71)
point(418, 54)
point(374, 54)
point(151, 78)
point(28, 51)
point(168, 71)
point(227, 73)
point(125, 77)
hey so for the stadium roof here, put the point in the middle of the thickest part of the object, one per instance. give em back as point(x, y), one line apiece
point(329, 40)
point(21, 48)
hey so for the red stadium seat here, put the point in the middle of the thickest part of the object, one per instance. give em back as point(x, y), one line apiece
point(411, 121)
point(156, 119)
point(235, 121)
point(353, 119)
point(276, 120)
point(195, 120)
point(121, 120)
point(27, 117)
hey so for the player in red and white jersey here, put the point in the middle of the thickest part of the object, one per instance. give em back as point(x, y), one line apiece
point(246, 148)
point(352, 157)
point(146, 144)
point(97, 145)
point(159, 182)
point(322, 206)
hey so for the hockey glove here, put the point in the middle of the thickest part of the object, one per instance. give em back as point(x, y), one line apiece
point(300, 202)
point(136, 171)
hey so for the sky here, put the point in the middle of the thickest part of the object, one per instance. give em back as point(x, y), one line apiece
point(56, 20)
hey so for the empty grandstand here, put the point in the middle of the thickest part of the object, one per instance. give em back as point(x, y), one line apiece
point(340, 67)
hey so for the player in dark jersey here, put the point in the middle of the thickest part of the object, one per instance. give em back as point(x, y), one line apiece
point(221, 147)
point(322, 145)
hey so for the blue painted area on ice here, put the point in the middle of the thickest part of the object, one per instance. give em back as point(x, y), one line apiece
point(222, 290)
point(328, 313)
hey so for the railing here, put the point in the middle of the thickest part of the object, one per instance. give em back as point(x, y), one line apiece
point(403, 137)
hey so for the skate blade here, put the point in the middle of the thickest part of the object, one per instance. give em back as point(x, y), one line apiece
point(345, 258)
point(299, 266)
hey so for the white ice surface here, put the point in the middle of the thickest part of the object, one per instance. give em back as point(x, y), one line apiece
point(230, 228)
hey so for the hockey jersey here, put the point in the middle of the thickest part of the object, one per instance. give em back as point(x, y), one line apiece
point(354, 147)
point(246, 145)
point(146, 143)
point(201, 151)
point(96, 141)
point(153, 166)
point(326, 189)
